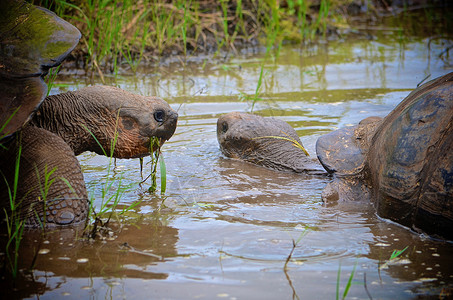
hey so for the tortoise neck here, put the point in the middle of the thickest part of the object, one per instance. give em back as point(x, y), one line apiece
point(73, 117)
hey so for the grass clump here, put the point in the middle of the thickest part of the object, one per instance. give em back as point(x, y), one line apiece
point(126, 33)
point(116, 33)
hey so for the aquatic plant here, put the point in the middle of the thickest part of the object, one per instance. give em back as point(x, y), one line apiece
point(295, 243)
point(5, 124)
point(348, 284)
point(255, 97)
point(396, 253)
point(15, 222)
point(14, 218)
point(50, 78)
point(393, 257)
point(44, 191)
point(321, 21)
point(110, 201)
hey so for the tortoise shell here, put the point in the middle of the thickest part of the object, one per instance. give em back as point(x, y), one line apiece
point(406, 158)
point(32, 40)
point(410, 160)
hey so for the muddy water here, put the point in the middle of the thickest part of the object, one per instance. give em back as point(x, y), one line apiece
point(225, 228)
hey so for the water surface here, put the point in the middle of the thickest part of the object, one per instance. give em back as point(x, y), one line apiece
point(224, 228)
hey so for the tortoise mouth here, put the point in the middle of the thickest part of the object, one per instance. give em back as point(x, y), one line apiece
point(146, 147)
point(154, 143)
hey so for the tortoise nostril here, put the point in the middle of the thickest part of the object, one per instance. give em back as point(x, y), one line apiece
point(159, 115)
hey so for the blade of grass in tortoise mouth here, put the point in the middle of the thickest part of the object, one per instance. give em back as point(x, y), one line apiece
point(289, 139)
point(155, 144)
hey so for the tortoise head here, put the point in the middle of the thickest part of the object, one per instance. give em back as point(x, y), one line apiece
point(139, 120)
point(344, 151)
point(264, 141)
point(107, 120)
point(243, 135)
point(406, 159)
point(233, 134)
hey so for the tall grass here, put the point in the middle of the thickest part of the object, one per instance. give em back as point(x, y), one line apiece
point(100, 217)
point(15, 214)
point(125, 33)
point(321, 21)
point(14, 222)
point(256, 96)
point(348, 284)
point(50, 78)
point(44, 191)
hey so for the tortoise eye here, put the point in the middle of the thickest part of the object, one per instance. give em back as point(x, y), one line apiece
point(224, 127)
point(159, 116)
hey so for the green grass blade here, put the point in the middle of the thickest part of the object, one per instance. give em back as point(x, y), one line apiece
point(397, 253)
point(8, 120)
point(16, 178)
point(338, 282)
point(348, 285)
point(295, 143)
point(163, 175)
point(97, 141)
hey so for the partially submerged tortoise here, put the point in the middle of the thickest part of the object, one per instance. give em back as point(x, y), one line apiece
point(403, 163)
point(406, 159)
point(264, 141)
point(41, 136)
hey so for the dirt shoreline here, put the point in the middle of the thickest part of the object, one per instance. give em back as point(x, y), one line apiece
point(358, 20)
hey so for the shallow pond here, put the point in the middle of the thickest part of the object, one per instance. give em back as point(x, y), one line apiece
point(225, 228)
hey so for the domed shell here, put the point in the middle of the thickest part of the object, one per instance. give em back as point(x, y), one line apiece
point(410, 160)
point(32, 40)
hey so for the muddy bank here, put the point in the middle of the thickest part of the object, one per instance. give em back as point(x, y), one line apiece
point(120, 37)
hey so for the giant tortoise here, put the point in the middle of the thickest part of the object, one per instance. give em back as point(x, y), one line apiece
point(403, 162)
point(265, 141)
point(40, 177)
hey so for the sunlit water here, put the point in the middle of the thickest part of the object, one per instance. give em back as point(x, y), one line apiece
point(225, 228)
